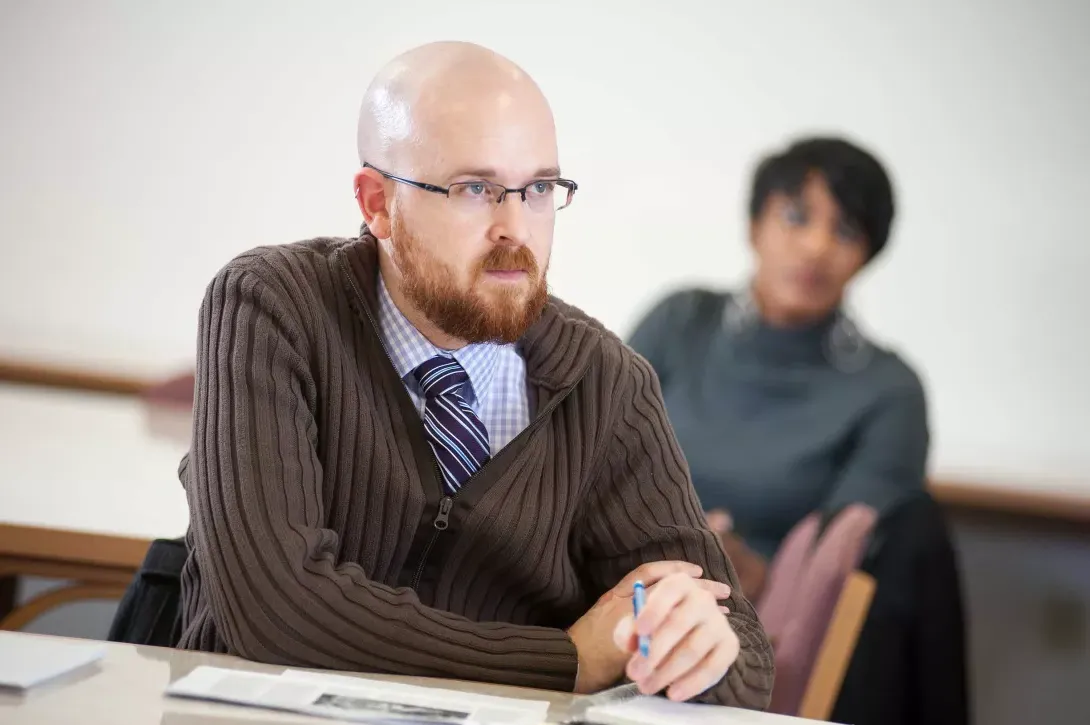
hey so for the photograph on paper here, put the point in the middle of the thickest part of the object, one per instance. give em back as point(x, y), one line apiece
point(381, 711)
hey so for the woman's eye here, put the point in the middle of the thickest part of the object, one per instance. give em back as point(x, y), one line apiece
point(794, 214)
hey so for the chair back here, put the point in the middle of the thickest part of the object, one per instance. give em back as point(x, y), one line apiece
point(150, 610)
point(806, 582)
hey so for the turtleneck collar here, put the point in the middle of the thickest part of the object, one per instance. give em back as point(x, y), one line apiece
point(803, 344)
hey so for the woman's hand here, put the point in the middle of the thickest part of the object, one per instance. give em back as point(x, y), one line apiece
point(751, 567)
point(720, 521)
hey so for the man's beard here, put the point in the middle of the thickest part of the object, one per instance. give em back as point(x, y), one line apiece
point(468, 315)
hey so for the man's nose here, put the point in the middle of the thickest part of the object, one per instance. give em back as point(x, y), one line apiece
point(511, 220)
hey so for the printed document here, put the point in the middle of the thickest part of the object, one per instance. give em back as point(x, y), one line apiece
point(356, 699)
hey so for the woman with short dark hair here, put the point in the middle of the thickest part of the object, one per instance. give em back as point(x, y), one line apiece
point(780, 404)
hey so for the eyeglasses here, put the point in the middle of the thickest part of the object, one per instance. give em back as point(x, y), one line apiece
point(541, 195)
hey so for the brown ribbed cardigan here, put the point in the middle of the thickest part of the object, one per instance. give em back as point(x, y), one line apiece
point(319, 533)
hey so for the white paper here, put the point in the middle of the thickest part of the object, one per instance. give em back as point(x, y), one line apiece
point(27, 660)
point(487, 709)
point(358, 700)
point(659, 710)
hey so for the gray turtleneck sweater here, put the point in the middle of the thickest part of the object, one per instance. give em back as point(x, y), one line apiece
point(773, 425)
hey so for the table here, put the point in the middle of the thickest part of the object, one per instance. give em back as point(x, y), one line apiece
point(91, 462)
point(87, 483)
point(126, 688)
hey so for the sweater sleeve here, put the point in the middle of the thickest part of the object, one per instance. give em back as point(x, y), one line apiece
point(276, 587)
point(888, 459)
point(643, 508)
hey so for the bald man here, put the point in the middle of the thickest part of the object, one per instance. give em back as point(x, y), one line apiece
point(408, 458)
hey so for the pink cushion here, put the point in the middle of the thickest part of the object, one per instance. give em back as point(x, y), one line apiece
point(804, 584)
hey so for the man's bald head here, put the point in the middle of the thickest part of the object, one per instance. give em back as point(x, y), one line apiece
point(435, 94)
point(455, 124)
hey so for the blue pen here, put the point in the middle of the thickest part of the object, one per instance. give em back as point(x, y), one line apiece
point(639, 598)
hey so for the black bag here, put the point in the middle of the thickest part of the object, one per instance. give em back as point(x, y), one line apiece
point(150, 611)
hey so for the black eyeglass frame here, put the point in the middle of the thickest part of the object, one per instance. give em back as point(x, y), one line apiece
point(568, 184)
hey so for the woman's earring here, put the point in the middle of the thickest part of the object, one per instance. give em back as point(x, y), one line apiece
point(845, 347)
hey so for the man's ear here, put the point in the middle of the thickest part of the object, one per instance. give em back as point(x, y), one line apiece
point(371, 198)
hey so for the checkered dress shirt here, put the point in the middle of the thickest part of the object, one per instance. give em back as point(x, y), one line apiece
point(497, 373)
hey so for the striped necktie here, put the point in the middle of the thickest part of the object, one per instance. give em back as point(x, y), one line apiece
point(456, 435)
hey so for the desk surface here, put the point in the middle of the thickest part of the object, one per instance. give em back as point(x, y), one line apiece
point(127, 686)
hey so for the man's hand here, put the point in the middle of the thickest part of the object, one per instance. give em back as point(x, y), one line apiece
point(692, 643)
point(601, 662)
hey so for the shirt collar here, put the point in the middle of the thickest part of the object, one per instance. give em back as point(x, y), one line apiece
point(408, 348)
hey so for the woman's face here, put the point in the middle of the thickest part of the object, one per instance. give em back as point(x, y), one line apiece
point(807, 252)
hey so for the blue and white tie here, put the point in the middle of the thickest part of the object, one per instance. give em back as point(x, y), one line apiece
point(456, 435)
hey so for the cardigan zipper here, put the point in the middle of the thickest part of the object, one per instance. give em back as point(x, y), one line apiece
point(441, 522)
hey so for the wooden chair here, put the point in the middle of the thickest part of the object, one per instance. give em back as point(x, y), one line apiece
point(813, 609)
point(837, 648)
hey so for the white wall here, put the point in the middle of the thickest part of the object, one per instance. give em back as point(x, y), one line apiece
point(144, 143)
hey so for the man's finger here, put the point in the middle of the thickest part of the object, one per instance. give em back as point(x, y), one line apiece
point(707, 673)
point(662, 599)
point(655, 571)
point(688, 654)
point(686, 612)
point(659, 602)
point(720, 590)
